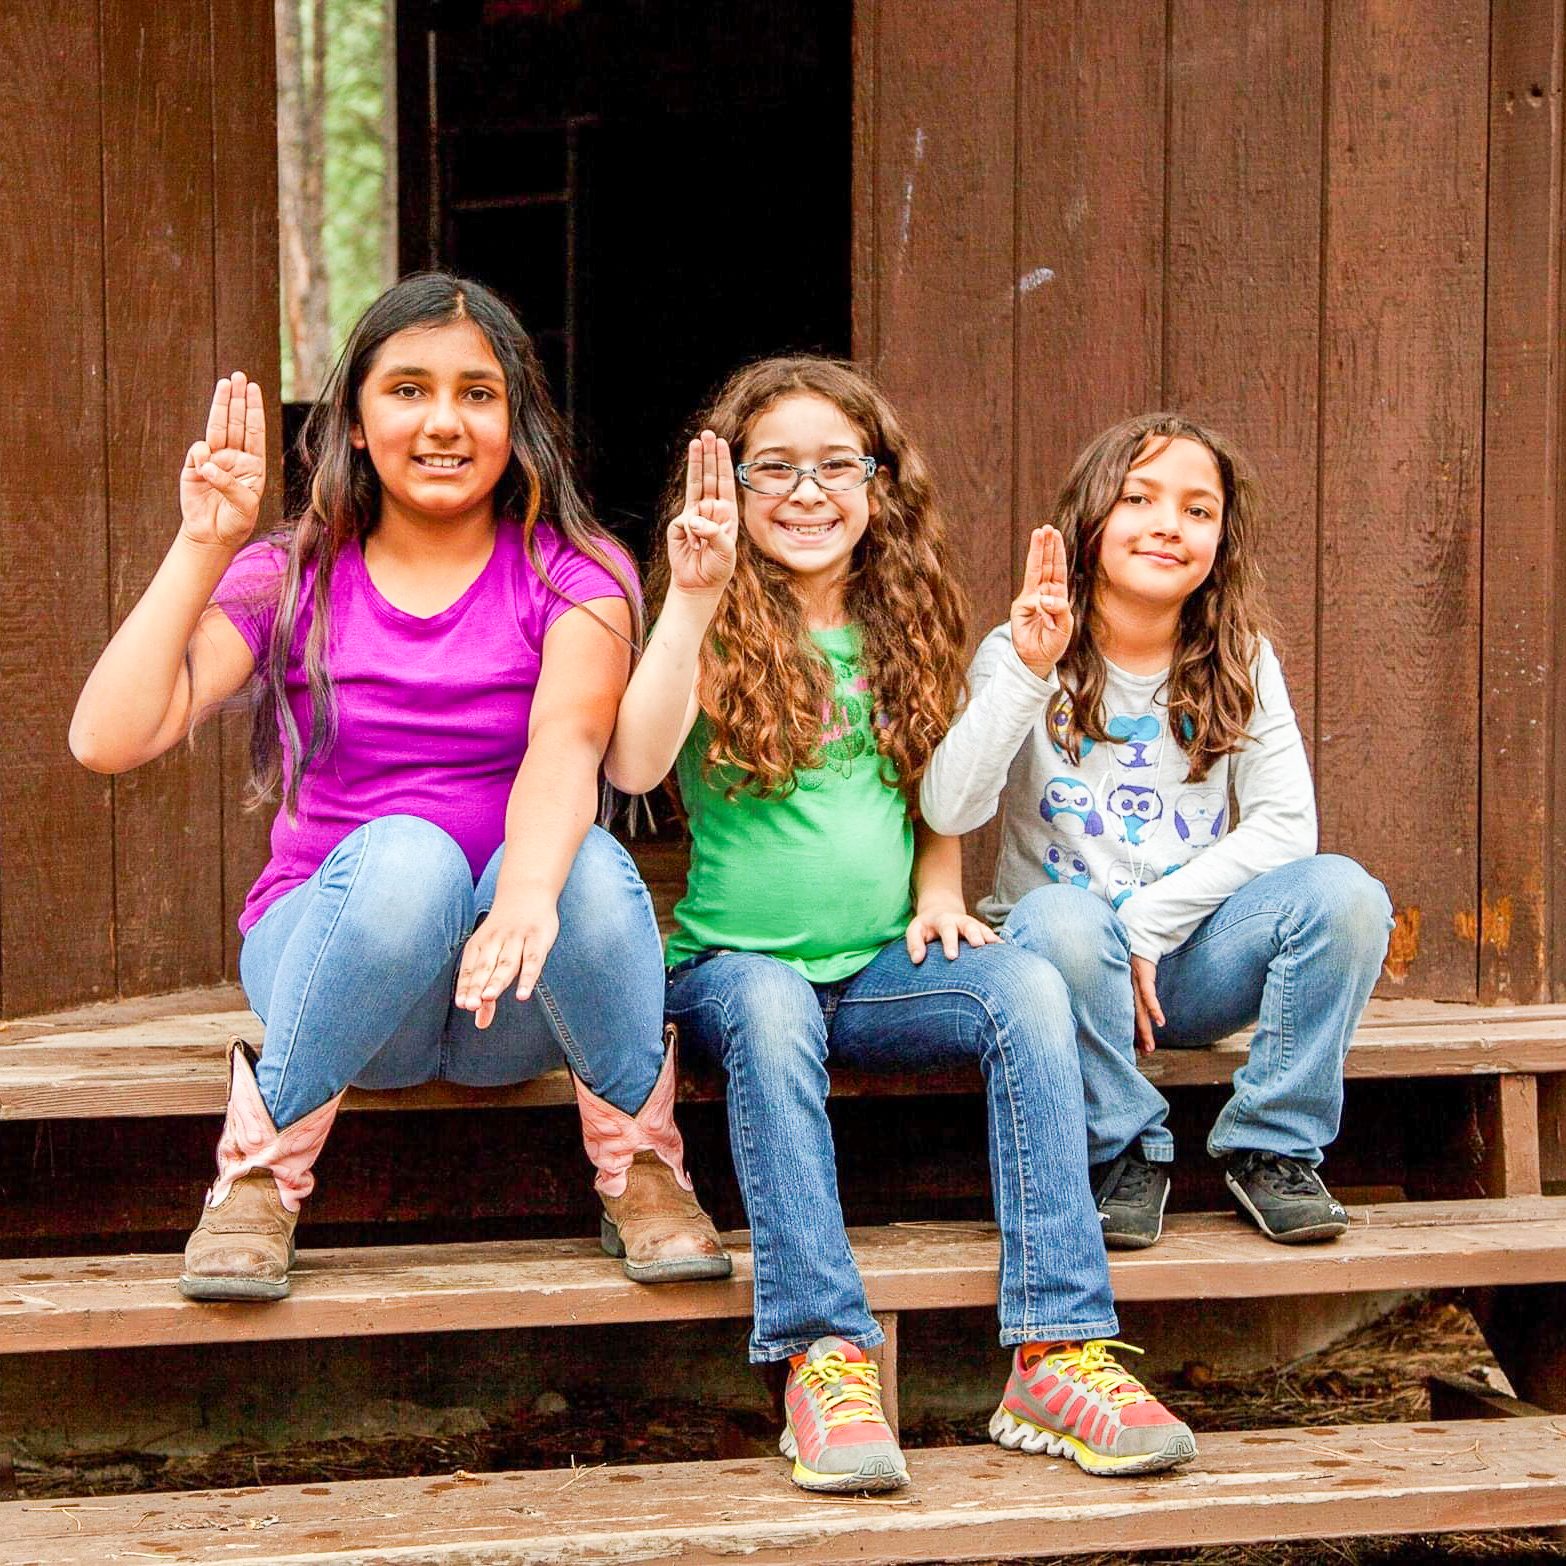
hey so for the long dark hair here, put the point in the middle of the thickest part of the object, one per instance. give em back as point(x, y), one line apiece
point(762, 687)
point(1210, 694)
point(344, 504)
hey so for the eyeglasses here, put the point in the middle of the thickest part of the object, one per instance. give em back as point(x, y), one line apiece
point(773, 476)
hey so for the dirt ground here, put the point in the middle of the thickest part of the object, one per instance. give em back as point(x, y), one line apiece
point(1376, 1376)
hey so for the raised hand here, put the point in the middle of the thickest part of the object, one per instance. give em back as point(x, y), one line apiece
point(1041, 612)
point(702, 538)
point(221, 483)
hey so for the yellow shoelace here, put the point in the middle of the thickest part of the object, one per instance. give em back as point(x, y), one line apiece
point(844, 1401)
point(1091, 1365)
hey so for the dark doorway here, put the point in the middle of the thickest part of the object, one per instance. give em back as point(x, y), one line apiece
point(662, 189)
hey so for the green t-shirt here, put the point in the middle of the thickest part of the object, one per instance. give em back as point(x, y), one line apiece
point(818, 877)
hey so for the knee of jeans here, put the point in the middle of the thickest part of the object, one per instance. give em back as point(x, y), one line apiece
point(1027, 996)
point(1072, 928)
point(411, 886)
point(605, 904)
point(1350, 903)
point(771, 1018)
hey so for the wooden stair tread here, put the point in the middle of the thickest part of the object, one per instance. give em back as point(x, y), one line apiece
point(130, 1301)
point(172, 1063)
point(965, 1502)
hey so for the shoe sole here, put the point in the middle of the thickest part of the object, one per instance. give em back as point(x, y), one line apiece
point(1022, 1435)
point(232, 1288)
point(677, 1269)
point(874, 1474)
point(1308, 1235)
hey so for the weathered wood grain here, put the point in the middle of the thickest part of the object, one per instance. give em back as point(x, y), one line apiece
point(174, 1065)
point(120, 1302)
point(158, 291)
point(1242, 281)
point(56, 825)
point(1090, 231)
point(1522, 506)
point(966, 1503)
point(1402, 445)
point(1509, 1125)
point(246, 334)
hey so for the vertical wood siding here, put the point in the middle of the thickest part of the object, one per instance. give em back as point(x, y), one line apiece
point(1332, 228)
point(144, 191)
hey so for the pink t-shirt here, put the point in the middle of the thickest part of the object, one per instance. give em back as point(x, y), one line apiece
point(432, 714)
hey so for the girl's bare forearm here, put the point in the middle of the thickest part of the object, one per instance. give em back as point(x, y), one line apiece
point(552, 804)
point(139, 685)
point(937, 874)
point(652, 722)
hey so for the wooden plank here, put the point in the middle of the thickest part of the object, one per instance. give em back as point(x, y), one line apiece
point(54, 1304)
point(217, 998)
point(1242, 281)
point(942, 226)
point(886, 1358)
point(1509, 1125)
point(1402, 446)
point(865, 204)
point(1521, 504)
point(1463, 1397)
point(56, 832)
point(1552, 1129)
point(967, 1503)
point(246, 335)
point(1090, 231)
point(158, 268)
point(175, 1067)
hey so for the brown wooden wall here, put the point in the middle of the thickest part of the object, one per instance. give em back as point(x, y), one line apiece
point(1333, 229)
point(141, 182)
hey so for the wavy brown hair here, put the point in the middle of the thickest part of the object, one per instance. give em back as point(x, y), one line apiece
point(1210, 694)
point(763, 686)
point(345, 495)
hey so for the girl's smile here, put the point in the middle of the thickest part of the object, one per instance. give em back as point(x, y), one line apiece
point(812, 532)
point(1161, 537)
point(434, 418)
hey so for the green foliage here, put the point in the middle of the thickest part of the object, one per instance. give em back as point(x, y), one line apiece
point(359, 161)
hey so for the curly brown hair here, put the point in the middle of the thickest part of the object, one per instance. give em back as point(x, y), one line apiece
point(762, 684)
point(1210, 694)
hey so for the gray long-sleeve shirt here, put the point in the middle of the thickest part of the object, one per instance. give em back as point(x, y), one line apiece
point(1125, 819)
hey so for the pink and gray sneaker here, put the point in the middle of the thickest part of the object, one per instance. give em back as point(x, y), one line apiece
point(837, 1434)
point(1073, 1400)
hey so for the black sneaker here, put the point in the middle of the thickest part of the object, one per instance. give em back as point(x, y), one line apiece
point(1285, 1197)
point(1130, 1193)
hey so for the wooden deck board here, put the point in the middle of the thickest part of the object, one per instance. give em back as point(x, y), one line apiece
point(131, 1301)
point(965, 1503)
point(145, 1063)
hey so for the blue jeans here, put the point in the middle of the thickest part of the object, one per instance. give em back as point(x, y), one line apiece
point(773, 1031)
point(353, 974)
point(1296, 952)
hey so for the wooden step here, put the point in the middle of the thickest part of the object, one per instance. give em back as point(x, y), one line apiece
point(964, 1503)
point(166, 1058)
point(132, 1301)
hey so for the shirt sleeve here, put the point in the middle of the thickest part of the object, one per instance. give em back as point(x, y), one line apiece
point(1277, 825)
point(962, 785)
point(247, 594)
point(574, 577)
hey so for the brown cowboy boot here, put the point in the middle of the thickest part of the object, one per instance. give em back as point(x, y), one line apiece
point(651, 1219)
point(244, 1245)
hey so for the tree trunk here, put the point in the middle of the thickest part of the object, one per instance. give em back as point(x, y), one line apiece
point(301, 97)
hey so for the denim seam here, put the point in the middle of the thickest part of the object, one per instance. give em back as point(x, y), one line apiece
point(315, 967)
point(563, 1037)
point(1073, 1332)
point(1019, 1141)
point(1230, 1116)
point(1195, 940)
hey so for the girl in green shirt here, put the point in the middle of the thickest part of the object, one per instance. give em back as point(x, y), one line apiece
point(807, 658)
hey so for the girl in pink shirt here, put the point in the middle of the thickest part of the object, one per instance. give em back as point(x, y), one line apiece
point(435, 652)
